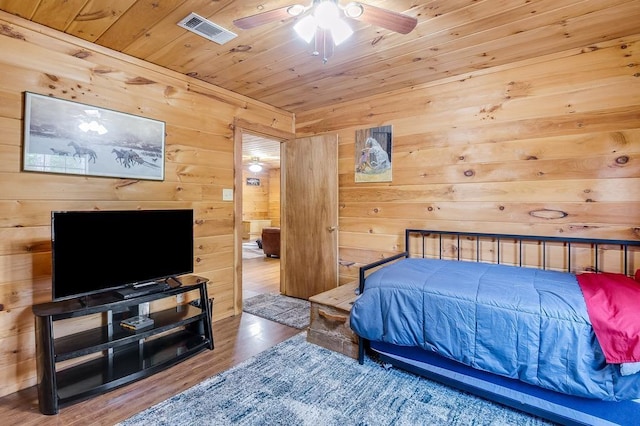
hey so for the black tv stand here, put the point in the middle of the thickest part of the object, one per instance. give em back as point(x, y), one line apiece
point(109, 355)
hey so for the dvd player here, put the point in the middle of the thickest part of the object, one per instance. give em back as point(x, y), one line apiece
point(142, 290)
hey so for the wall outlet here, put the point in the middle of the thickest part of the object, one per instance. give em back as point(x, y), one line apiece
point(227, 194)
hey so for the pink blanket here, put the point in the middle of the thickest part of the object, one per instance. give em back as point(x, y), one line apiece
point(613, 304)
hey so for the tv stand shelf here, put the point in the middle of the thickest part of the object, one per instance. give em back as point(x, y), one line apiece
point(100, 358)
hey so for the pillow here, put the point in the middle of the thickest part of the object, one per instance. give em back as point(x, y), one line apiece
point(638, 275)
point(629, 368)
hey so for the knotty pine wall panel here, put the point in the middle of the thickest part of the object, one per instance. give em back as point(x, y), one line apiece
point(549, 146)
point(262, 202)
point(274, 197)
point(199, 163)
point(255, 198)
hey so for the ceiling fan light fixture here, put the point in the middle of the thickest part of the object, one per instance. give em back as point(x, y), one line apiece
point(255, 166)
point(326, 14)
point(295, 10)
point(353, 10)
point(340, 31)
point(306, 28)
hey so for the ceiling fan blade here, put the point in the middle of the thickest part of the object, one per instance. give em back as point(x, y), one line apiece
point(388, 19)
point(263, 18)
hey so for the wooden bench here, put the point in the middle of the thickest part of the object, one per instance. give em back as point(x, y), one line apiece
point(329, 325)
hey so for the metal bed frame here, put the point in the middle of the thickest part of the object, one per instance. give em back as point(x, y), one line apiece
point(554, 406)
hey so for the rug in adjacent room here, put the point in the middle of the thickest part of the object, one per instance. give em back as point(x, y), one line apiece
point(250, 250)
point(299, 383)
point(283, 309)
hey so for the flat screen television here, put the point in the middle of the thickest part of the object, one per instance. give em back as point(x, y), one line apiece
point(96, 251)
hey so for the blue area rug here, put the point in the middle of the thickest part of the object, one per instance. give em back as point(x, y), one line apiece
point(298, 383)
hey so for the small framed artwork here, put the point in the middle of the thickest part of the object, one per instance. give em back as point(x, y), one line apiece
point(373, 154)
point(253, 181)
point(68, 137)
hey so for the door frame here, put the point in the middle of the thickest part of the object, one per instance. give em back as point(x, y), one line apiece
point(241, 126)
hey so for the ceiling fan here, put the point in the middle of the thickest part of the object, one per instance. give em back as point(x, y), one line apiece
point(321, 21)
point(255, 166)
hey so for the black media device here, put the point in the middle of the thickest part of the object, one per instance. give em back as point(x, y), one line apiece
point(96, 251)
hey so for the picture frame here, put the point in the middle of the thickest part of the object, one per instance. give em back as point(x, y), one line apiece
point(253, 181)
point(68, 137)
point(373, 148)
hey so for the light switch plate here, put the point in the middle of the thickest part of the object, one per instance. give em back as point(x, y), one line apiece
point(227, 195)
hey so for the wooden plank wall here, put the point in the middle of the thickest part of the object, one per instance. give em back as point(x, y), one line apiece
point(199, 164)
point(255, 199)
point(262, 202)
point(549, 146)
point(274, 196)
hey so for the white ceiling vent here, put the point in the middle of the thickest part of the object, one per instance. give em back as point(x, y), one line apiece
point(207, 29)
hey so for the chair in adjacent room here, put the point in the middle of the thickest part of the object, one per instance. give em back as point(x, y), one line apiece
point(271, 241)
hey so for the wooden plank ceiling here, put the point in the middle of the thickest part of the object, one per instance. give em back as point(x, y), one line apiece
point(269, 63)
point(266, 151)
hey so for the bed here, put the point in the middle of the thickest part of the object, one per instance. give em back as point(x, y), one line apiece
point(521, 320)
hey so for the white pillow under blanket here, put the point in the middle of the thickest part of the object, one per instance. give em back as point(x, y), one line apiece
point(629, 368)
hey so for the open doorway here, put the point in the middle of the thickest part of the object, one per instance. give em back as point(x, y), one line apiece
point(261, 210)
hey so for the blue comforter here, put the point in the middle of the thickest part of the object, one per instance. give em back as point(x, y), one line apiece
point(522, 323)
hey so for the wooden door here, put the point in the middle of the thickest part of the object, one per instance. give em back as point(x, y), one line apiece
point(309, 264)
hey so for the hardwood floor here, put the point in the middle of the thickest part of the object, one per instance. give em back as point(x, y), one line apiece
point(236, 339)
point(260, 275)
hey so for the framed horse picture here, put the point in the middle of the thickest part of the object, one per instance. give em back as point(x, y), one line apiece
point(68, 137)
point(373, 154)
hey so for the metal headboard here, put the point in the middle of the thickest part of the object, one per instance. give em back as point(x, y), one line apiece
point(595, 242)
